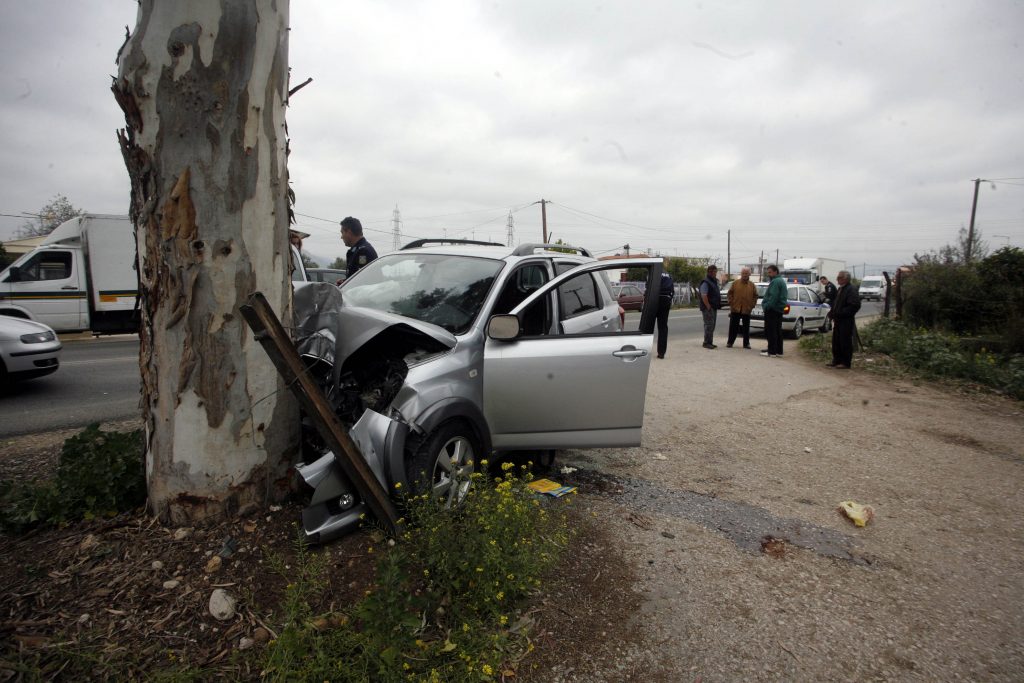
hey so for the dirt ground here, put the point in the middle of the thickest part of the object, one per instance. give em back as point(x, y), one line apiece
point(714, 552)
point(740, 566)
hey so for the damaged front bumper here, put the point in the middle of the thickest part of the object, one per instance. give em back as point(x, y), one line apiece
point(335, 507)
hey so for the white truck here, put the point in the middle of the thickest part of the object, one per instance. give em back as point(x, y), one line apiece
point(807, 271)
point(82, 277)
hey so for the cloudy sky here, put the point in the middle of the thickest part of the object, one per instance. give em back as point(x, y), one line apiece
point(847, 130)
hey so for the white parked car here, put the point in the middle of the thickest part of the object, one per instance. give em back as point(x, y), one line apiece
point(27, 349)
point(804, 311)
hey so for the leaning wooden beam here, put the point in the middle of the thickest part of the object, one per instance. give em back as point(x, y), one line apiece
point(275, 341)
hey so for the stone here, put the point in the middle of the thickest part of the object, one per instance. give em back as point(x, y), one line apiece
point(222, 605)
point(261, 635)
point(171, 584)
point(214, 564)
point(157, 565)
point(182, 533)
point(245, 643)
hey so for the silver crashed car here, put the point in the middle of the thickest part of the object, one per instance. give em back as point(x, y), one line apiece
point(447, 352)
point(27, 349)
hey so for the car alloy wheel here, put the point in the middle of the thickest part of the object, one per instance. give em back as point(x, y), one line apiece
point(798, 328)
point(445, 462)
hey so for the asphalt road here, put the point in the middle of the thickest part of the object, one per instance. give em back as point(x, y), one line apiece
point(98, 379)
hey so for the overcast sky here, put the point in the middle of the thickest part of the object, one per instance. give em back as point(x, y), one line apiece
point(848, 130)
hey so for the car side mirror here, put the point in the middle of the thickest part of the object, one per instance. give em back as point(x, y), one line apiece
point(504, 327)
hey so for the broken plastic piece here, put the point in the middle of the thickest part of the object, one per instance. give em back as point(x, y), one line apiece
point(857, 513)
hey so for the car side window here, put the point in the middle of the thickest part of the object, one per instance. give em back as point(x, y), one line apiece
point(804, 297)
point(524, 281)
point(578, 296)
point(792, 294)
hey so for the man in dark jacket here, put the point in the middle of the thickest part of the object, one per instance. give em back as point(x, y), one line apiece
point(828, 290)
point(710, 302)
point(842, 315)
point(360, 252)
point(666, 291)
point(774, 306)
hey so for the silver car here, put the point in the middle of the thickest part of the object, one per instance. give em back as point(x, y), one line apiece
point(442, 354)
point(27, 349)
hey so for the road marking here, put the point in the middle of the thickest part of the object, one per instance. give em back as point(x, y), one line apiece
point(96, 361)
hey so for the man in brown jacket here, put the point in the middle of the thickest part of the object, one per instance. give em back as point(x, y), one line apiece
point(742, 297)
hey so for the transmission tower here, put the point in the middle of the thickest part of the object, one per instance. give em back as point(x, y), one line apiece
point(511, 235)
point(396, 229)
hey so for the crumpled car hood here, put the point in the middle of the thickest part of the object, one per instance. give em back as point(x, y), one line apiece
point(320, 307)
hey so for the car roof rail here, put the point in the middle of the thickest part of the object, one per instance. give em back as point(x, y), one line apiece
point(527, 249)
point(445, 240)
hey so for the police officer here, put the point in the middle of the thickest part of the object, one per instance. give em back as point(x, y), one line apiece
point(666, 291)
point(360, 252)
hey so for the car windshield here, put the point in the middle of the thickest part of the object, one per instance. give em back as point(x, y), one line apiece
point(871, 282)
point(762, 287)
point(442, 289)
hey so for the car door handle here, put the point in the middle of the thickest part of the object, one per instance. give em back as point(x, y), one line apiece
point(629, 352)
point(69, 287)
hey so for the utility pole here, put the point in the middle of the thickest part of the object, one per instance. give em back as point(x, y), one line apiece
point(396, 229)
point(544, 218)
point(728, 253)
point(760, 267)
point(777, 260)
point(510, 235)
point(970, 230)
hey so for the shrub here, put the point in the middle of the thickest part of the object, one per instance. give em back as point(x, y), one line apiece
point(444, 604)
point(99, 474)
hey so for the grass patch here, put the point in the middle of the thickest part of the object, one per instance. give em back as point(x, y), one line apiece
point(99, 474)
point(444, 606)
point(932, 355)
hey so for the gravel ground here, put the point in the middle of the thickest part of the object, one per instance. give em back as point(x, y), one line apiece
point(741, 567)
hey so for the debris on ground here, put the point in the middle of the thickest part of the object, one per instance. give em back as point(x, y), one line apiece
point(550, 488)
point(857, 513)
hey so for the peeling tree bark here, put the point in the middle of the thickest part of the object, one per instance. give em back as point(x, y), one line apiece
point(203, 85)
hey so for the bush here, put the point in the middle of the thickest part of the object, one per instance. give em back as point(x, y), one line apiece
point(99, 474)
point(444, 604)
point(938, 355)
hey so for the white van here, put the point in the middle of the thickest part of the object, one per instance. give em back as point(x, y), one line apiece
point(872, 287)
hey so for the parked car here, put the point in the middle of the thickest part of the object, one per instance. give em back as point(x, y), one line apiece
point(872, 287)
point(332, 275)
point(629, 296)
point(446, 352)
point(805, 310)
point(27, 349)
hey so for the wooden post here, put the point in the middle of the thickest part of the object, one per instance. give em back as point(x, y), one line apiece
point(275, 341)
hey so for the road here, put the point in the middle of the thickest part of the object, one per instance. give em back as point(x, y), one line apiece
point(98, 379)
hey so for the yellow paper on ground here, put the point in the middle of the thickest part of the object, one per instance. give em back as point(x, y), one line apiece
point(857, 513)
point(550, 488)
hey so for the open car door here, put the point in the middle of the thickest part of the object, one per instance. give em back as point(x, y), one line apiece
point(576, 380)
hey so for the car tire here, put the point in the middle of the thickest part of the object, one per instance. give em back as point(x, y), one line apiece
point(798, 328)
point(444, 462)
point(826, 325)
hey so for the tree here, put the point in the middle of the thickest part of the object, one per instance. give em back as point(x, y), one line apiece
point(308, 262)
point(203, 87)
point(957, 252)
point(4, 257)
point(339, 264)
point(49, 217)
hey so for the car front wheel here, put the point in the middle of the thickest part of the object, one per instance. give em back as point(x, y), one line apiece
point(444, 463)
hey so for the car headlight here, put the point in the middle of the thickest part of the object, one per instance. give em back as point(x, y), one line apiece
point(38, 337)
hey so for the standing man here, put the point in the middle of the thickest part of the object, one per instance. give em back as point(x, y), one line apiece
point(829, 290)
point(666, 291)
point(742, 297)
point(842, 314)
point(360, 252)
point(774, 305)
point(710, 302)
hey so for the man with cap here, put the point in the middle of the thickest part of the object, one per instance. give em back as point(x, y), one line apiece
point(360, 252)
point(710, 302)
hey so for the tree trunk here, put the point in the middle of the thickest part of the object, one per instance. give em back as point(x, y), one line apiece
point(203, 85)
